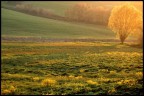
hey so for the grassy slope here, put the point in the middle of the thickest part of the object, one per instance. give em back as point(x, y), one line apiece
point(19, 24)
point(54, 6)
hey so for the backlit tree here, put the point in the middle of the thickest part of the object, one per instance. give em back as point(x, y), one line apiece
point(124, 20)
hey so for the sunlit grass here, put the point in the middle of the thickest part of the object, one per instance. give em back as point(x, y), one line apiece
point(92, 82)
point(48, 82)
point(70, 68)
point(9, 91)
point(139, 75)
point(35, 44)
point(36, 78)
point(128, 82)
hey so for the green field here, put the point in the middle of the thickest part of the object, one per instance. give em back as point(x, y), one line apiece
point(66, 68)
point(20, 24)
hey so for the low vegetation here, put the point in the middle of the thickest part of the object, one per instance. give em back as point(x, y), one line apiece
point(70, 68)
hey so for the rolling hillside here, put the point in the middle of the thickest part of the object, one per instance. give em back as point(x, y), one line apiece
point(19, 24)
point(55, 7)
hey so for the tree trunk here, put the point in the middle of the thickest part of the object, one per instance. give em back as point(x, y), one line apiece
point(122, 38)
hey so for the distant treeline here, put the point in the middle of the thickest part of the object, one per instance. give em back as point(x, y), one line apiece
point(87, 13)
point(90, 13)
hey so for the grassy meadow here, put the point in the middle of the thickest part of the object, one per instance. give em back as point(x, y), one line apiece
point(32, 67)
point(66, 68)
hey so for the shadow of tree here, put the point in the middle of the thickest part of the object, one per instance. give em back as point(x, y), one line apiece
point(135, 45)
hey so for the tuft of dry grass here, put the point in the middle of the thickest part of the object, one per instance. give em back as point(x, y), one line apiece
point(92, 82)
point(139, 75)
point(9, 91)
point(48, 82)
point(36, 78)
